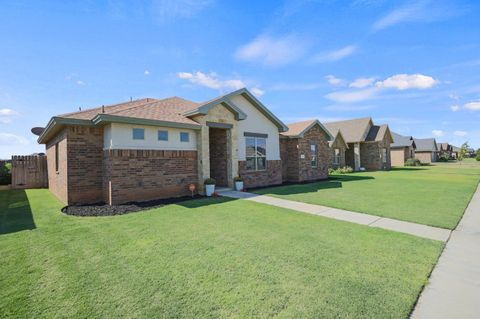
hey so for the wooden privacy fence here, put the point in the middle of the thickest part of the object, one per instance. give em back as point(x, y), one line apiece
point(29, 171)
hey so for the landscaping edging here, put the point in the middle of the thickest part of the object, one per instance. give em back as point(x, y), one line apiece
point(101, 209)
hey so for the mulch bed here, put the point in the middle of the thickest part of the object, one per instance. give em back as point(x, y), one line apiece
point(102, 209)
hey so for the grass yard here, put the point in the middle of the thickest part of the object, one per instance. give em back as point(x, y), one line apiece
point(208, 258)
point(434, 195)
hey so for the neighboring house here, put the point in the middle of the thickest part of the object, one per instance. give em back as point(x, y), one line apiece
point(402, 149)
point(426, 149)
point(149, 148)
point(368, 144)
point(305, 152)
point(444, 149)
point(338, 147)
point(455, 151)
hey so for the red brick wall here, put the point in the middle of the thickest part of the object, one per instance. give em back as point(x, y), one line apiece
point(58, 180)
point(85, 148)
point(136, 175)
point(290, 156)
point(272, 175)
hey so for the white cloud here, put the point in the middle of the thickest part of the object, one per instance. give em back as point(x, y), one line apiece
point(146, 72)
point(6, 115)
point(455, 108)
point(80, 82)
point(333, 80)
point(419, 11)
point(473, 106)
point(352, 96)
point(438, 133)
point(272, 51)
point(362, 83)
point(460, 133)
point(408, 81)
point(454, 96)
point(257, 91)
point(213, 81)
point(335, 55)
point(12, 139)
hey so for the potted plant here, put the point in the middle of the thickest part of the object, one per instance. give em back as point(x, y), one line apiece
point(238, 183)
point(209, 186)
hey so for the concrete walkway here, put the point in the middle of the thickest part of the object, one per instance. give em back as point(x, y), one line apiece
point(453, 290)
point(340, 214)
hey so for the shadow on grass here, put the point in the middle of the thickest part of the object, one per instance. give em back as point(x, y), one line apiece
point(15, 212)
point(205, 201)
point(335, 181)
point(412, 168)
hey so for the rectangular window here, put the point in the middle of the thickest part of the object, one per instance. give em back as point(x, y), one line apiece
point(384, 155)
point(184, 137)
point(313, 151)
point(138, 134)
point(163, 135)
point(256, 153)
point(336, 156)
point(56, 157)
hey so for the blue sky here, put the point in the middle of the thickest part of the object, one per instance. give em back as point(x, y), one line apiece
point(412, 64)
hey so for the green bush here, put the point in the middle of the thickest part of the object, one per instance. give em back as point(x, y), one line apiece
point(210, 181)
point(442, 158)
point(6, 174)
point(413, 162)
point(238, 179)
point(478, 155)
point(340, 170)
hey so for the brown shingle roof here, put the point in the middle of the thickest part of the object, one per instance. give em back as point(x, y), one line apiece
point(295, 129)
point(169, 109)
point(352, 130)
point(377, 133)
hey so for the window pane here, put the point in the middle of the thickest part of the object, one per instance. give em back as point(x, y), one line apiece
point(261, 147)
point(138, 133)
point(337, 152)
point(250, 163)
point(313, 148)
point(184, 137)
point(163, 135)
point(261, 163)
point(250, 146)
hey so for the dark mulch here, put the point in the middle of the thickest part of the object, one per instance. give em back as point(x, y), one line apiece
point(102, 209)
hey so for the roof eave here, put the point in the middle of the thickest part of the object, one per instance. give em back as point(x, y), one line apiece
point(57, 121)
point(101, 119)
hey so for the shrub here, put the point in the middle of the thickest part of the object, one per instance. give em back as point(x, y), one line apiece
point(238, 179)
point(443, 158)
point(413, 162)
point(340, 170)
point(478, 155)
point(6, 174)
point(210, 181)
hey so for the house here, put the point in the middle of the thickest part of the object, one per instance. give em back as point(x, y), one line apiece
point(338, 147)
point(444, 149)
point(305, 152)
point(426, 149)
point(402, 149)
point(455, 151)
point(368, 144)
point(150, 148)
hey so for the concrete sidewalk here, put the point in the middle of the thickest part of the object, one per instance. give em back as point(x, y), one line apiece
point(340, 214)
point(453, 290)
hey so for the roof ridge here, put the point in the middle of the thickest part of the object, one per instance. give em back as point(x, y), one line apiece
point(105, 106)
point(135, 106)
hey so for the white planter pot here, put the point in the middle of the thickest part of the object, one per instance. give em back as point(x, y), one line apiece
point(238, 186)
point(209, 190)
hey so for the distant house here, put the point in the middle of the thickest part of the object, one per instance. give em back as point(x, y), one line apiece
point(455, 151)
point(426, 149)
point(305, 152)
point(368, 144)
point(402, 149)
point(338, 147)
point(444, 149)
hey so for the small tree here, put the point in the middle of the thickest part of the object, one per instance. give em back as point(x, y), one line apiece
point(478, 155)
point(463, 151)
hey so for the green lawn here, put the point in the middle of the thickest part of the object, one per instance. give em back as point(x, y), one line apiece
point(434, 195)
point(208, 258)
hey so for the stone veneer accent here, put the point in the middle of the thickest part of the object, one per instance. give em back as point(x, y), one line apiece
point(272, 175)
point(138, 175)
point(300, 169)
point(371, 155)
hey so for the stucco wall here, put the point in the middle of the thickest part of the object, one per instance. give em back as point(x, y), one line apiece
point(425, 157)
point(119, 136)
point(256, 122)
